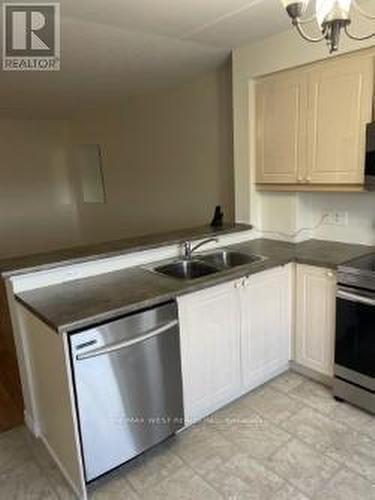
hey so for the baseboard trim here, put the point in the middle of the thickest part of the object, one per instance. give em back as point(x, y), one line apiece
point(33, 426)
point(312, 374)
point(245, 389)
point(264, 378)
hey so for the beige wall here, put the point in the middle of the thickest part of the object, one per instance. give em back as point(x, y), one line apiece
point(167, 157)
point(37, 211)
point(283, 212)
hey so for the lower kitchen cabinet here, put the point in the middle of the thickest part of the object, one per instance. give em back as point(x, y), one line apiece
point(233, 337)
point(315, 318)
point(210, 349)
point(266, 302)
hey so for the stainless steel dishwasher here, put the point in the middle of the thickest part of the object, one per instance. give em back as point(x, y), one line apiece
point(128, 385)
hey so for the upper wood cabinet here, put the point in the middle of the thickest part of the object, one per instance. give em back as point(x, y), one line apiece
point(281, 109)
point(340, 105)
point(311, 124)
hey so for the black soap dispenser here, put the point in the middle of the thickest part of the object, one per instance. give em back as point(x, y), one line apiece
point(217, 221)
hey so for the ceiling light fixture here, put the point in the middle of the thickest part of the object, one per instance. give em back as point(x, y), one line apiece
point(332, 16)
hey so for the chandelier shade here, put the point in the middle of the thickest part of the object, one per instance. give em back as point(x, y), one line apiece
point(331, 16)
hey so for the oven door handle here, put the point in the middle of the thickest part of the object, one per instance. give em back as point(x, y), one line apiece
point(354, 297)
point(127, 343)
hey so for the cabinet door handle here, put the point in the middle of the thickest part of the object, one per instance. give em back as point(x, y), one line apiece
point(330, 274)
point(246, 282)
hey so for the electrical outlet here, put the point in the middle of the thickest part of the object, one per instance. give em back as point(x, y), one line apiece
point(336, 218)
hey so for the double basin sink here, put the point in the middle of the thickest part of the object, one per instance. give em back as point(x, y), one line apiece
point(206, 264)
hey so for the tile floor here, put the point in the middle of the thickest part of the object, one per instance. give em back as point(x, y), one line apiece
point(288, 440)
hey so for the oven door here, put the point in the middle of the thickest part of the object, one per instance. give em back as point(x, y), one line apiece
point(370, 157)
point(355, 336)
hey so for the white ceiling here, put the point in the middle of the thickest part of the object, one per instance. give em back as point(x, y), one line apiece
point(112, 48)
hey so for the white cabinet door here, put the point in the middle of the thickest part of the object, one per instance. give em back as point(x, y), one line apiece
point(210, 349)
point(266, 325)
point(315, 318)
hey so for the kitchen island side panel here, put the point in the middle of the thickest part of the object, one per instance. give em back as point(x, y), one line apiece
point(54, 400)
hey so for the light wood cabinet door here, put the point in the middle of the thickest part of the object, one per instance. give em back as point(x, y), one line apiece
point(315, 318)
point(280, 125)
point(340, 105)
point(210, 349)
point(266, 325)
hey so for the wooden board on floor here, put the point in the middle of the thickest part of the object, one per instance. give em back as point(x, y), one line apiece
point(11, 403)
point(10, 413)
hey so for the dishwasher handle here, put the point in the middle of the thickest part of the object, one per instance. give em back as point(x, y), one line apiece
point(126, 343)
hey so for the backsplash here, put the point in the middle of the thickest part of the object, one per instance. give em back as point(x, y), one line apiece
point(359, 207)
point(300, 216)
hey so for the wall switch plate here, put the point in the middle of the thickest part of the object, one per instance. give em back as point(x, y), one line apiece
point(337, 218)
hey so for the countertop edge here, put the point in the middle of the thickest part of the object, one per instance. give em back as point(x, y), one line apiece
point(201, 232)
point(273, 260)
point(98, 319)
point(191, 287)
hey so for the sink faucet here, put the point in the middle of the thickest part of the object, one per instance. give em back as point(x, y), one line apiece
point(188, 249)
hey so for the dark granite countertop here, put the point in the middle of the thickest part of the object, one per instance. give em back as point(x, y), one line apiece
point(81, 303)
point(49, 260)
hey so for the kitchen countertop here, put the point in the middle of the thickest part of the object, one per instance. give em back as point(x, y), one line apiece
point(82, 303)
point(42, 261)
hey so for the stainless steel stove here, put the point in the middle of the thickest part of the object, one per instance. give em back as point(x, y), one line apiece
point(355, 333)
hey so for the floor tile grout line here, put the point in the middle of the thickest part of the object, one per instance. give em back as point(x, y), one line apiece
point(132, 487)
point(202, 477)
point(319, 452)
point(240, 452)
point(198, 473)
point(46, 476)
point(341, 465)
point(303, 379)
point(185, 465)
point(278, 424)
point(327, 415)
point(165, 478)
point(263, 461)
point(326, 482)
point(40, 468)
point(295, 438)
point(35, 462)
point(288, 483)
point(323, 453)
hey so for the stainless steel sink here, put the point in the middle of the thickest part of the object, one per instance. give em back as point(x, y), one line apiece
point(204, 264)
point(226, 259)
point(186, 269)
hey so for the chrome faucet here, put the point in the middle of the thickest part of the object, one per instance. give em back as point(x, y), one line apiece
point(188, 249)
